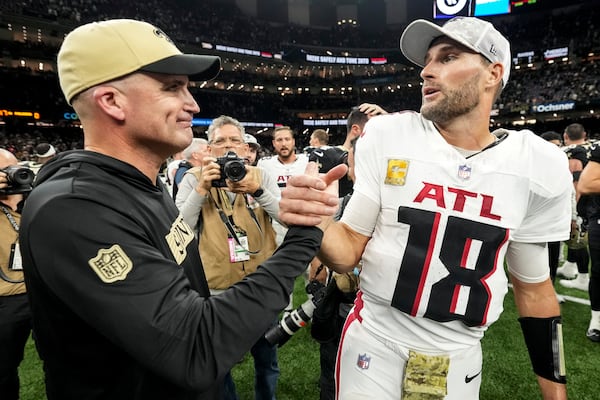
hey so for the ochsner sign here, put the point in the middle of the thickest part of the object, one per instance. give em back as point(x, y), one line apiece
point(552, 107)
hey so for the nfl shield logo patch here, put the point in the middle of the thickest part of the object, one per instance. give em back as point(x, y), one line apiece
point(363, 361)
point(464, 172)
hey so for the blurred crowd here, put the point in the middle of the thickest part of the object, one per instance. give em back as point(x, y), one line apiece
point(192, 22)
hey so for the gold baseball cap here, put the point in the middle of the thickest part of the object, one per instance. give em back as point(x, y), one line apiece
point(99, 52)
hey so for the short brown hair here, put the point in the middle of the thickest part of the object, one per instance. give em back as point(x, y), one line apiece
point(575, 131)
point(282, 128)
point(321, 135)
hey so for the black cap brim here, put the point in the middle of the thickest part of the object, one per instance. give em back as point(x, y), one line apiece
point(196, 67)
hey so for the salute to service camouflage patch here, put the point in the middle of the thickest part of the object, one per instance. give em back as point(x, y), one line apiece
point(425, 377)
point(111, 264)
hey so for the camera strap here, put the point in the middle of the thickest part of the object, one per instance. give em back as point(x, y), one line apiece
point(14, 248)
point(11, 219)
point(229, 225)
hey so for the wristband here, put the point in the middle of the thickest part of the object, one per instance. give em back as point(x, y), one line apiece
point(259, 192)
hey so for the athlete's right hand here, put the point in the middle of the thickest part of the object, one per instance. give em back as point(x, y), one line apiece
point(311, 199)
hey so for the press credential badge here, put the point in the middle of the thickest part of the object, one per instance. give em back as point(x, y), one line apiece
point(238, 251)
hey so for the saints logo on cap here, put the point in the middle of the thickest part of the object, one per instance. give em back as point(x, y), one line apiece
point(160, 33)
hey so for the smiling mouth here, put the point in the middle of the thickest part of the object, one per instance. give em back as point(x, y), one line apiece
point(429, 91)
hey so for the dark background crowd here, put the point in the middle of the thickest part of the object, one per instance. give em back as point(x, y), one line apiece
point(394, 86)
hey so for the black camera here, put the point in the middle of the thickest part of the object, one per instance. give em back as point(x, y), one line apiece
point(232, 168)
point(292, 322)
point(20, 179)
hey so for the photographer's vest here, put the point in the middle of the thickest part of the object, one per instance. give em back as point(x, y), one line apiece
point(214, 237)
point(11, 280)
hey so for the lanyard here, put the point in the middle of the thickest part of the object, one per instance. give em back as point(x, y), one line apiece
point(15, 226)
point(229, 226)
point(11, 219)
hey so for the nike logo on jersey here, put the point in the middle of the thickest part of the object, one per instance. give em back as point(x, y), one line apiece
point(318, 153)
point(470, 378)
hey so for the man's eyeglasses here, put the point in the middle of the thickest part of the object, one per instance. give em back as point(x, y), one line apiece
point(221, 142)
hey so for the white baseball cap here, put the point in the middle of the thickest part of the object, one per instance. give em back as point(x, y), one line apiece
point(473, 33)
point(99, 52)
point(251, 140)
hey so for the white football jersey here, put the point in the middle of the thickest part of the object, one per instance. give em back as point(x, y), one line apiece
point(282, 172)
point(433, 271)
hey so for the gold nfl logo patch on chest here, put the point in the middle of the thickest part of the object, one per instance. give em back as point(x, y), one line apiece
point(111, 264)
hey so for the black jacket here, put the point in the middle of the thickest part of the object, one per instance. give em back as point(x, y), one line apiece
point(116, 316)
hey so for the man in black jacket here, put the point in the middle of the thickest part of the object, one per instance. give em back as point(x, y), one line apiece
point(120, 304)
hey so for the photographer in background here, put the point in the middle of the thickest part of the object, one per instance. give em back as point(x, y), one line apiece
point(230, 205)
point(192, 157)
point(15, 315)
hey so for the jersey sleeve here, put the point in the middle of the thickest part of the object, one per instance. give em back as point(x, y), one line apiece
point(595, 153)
point(366, 159)
point(578, 153)
point(548, 216)
point(269, 200)
point(364, 205)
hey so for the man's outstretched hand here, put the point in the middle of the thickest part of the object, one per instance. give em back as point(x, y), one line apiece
point(311, 198)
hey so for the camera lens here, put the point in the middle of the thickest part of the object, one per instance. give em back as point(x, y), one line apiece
point(23, 176)
point(235, 170)
point(19, 175)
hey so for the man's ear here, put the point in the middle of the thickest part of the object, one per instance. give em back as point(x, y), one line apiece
point(355, 130)
point(496, 74)
point(110, 100)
